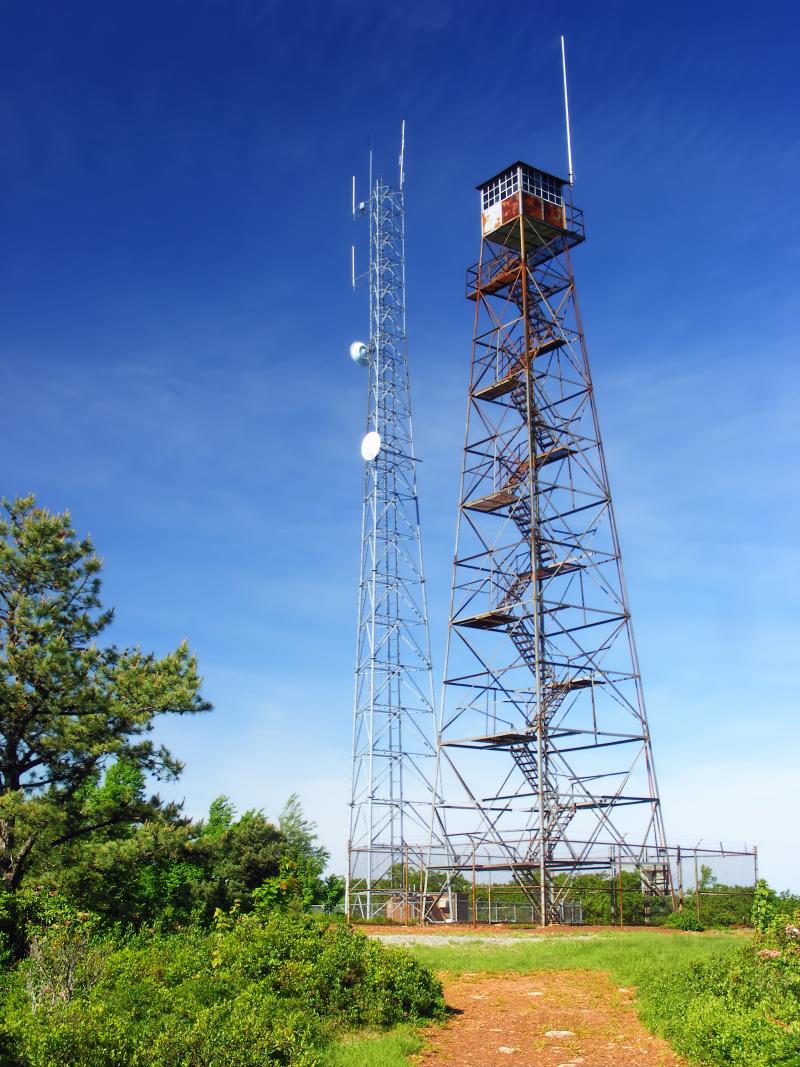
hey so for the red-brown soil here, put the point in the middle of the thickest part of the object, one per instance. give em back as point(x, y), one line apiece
point(504, 1021)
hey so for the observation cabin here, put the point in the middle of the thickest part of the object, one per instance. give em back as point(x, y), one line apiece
point(542, 201)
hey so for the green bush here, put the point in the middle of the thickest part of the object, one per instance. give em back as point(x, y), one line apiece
point(723, 906)
point(683, 920)
point(704, 1024)
point(772, 911)
point(742, 1010)
point(248, 994)
point(253, 1027)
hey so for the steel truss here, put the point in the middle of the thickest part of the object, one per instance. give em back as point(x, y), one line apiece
point(393, 715)
point(545, 758)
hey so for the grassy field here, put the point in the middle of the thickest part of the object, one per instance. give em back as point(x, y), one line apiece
point(629, 956)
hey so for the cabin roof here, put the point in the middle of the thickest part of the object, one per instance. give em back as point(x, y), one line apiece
point(528, 166)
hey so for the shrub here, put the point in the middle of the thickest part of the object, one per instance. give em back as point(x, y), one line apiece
point(336, 971)
point(247, 994)
point(683, 920)
point(765, 906)
point(742, 1010)
point(252, 1028)
point(376, 920)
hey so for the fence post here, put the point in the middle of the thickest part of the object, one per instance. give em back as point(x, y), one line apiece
point(680, 880)
point(423, 890)
point(474, 892)
point(405, 886)
point(621, 908)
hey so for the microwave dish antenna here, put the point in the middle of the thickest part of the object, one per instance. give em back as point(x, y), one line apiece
point(370, 446)
point(359, 353)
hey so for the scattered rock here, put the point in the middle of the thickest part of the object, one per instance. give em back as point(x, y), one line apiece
point(477, 996)
point(559, 1033)
point(507, 1049)
point(624, 989)
point(535, 993)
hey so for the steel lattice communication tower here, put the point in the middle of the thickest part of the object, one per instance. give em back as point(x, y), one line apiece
point(545, 758)
point(393, 714)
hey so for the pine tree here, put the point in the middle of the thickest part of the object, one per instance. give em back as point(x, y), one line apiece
point(70, 706)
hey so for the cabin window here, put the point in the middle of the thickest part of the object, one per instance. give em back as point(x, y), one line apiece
point(542, 185)
point(533, 181)
point(506, 185)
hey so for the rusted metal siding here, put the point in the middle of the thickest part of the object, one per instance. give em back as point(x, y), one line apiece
point(491, 218)
point(527, 204)
point(510, 207)
point(554, 215)
point(532, 205)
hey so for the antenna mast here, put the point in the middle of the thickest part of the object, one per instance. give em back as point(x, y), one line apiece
point(393, 710)
point(570, 173)
point(402, 150)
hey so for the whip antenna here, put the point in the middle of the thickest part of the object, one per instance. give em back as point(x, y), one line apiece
point(402, 150)
point(570, 173)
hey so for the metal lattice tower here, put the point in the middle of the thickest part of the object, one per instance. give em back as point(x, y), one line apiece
point(545, 758)
point(393, 714)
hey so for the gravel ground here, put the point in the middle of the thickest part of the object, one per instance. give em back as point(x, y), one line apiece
point(456, 939)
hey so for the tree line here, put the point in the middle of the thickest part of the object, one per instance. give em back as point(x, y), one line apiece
point(78, 828)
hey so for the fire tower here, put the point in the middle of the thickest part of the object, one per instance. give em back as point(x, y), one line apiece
point(393, 715)
point(544, 754)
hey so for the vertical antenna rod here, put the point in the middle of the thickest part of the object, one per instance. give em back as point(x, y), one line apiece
point(570, 173)
point(402, 150)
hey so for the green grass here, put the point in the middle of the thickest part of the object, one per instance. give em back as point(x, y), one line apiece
point(626, 955)
point(376, 1049)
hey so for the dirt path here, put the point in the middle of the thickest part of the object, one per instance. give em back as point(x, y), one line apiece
point(549, 1019)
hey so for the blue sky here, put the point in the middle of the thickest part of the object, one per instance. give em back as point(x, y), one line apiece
point(175, 314)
